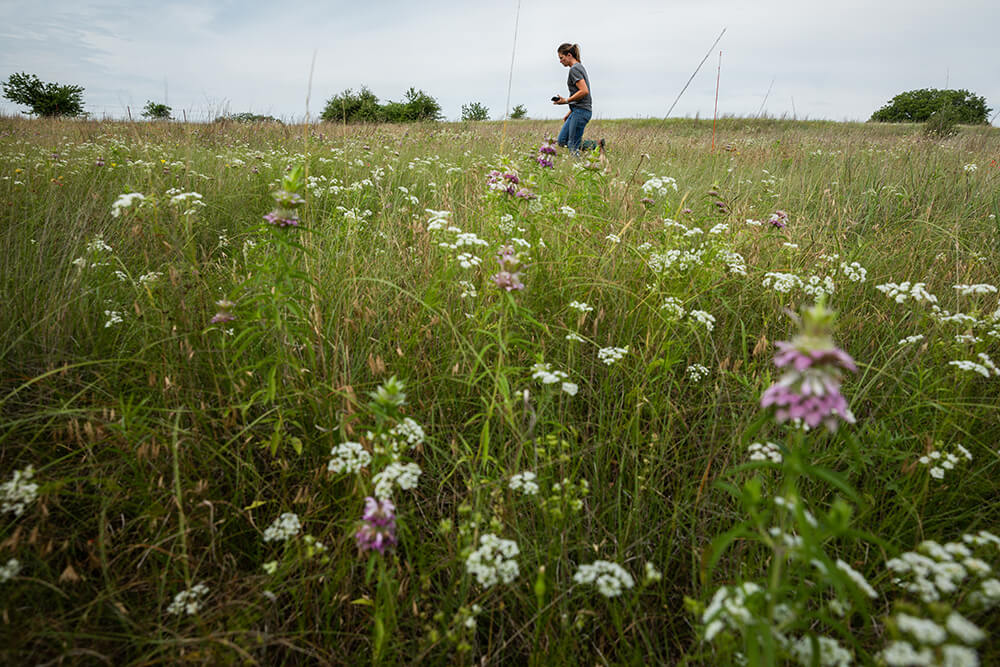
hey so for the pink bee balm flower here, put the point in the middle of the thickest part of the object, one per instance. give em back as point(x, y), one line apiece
point(809, 389)
point(378, 527)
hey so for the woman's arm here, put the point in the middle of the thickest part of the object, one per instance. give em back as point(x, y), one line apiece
point(581, 91)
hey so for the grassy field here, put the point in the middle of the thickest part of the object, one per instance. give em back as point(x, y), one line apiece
point(554, 373)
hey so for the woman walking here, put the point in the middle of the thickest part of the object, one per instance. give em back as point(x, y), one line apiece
point(579, 100)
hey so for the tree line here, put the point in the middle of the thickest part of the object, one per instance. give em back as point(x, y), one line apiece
point(939, 108)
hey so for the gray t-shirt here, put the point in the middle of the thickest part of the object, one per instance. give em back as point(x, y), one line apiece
point(577, 72)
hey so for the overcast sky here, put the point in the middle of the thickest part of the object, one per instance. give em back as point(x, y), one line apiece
point(817, 60)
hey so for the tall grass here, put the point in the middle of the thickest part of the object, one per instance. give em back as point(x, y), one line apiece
point(164, 445)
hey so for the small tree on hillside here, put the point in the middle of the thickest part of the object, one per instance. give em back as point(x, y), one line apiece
point(45, 99)
point(917, 106)
point(156, 111)
point(475, 111)
point(518, 112)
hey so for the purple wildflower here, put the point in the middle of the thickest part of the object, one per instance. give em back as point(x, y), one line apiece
point(545, 162)
point(99, 162)
point(525, 193)
point(508, 278)
point(225, 312)
point(378, 526)
point(547, 149)
point(779, 219)
point(648, 201)
point(280, 218)
point(809, 389)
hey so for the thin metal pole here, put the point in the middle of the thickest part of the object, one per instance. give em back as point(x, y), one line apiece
point(710, 49)
point(510, 78)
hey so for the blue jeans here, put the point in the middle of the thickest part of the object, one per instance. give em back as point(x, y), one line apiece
point(571, 134)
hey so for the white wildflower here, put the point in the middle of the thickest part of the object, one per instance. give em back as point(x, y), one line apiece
point(18, 492)
point(696, 372)
point(189, 601)
point(609, 578)
point(349, 457)
point(525, 483)
point(126, 201)
point(284, 527)
point(493, 562)
point(396, 474)
point(704, 318)
point(581, 306)
point(10, 570)
point(610, 355)
point(767, 451)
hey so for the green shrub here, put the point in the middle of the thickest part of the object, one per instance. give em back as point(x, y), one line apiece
point(364, 107)
point(942, 123)
point(519, 112)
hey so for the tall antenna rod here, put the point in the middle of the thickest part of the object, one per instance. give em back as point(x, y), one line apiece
point(766, 95)
point(710, 49)
point(510, 77)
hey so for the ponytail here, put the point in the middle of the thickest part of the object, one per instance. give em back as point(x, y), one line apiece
point(572, 49)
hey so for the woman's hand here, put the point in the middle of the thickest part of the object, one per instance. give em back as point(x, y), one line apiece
point(560, 100)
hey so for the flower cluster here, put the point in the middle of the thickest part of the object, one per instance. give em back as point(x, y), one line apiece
point(729, 608)
point(986, 368)
point(349, 457)
point(609, 355)
point(935, 571)
point(659, 186)
point(696, 372)
point(545, 153)
point(905, 291)
point(504, 182)
point(378, 526)
point(126, 201)
point(493, 562)
point(582, 307)
point(10, 570)
point(18, 492)
point(544, 373)
point(283, 528)
point(189, 601)
point(940, 461)
point(767, 451)
point(610, 579)
point(396, 474)
point(809, 389)
point(508, 278)
point(525, 482)
point(779, 219)
point(287, 201)
point(225, 313)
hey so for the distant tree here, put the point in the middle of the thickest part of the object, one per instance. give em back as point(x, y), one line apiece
point(45, 99)
point(156, 111)
point(475, 111)
point(917, 106)
point(351, 107)
point(421, 107)
point(518, 112)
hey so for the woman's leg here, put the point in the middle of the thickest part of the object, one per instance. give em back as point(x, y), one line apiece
point(563, 139)
point(579, 119)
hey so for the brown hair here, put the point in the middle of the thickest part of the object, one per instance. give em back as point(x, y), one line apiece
point(572, 49)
